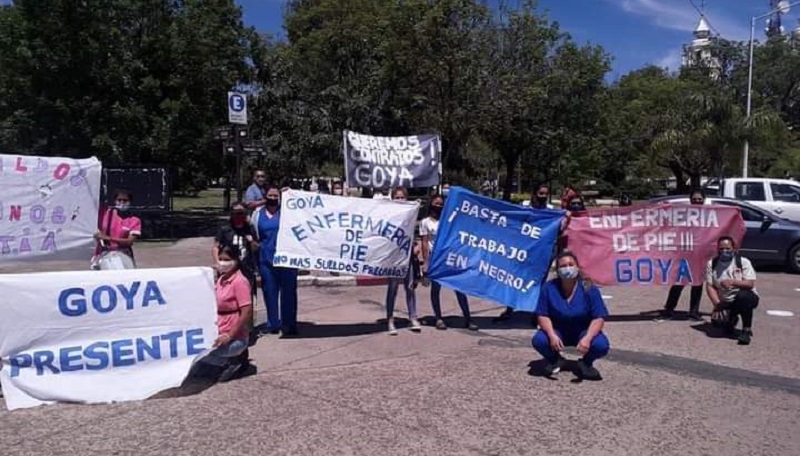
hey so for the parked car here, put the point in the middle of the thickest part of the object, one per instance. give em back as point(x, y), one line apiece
point(769, 241)
point(781, 196)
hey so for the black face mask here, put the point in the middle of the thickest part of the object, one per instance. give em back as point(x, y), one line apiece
point(542, 200)
point(436, 210)
point(576, 207)
point(273, 202)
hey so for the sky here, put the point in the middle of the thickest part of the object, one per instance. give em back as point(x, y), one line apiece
point(634, 32)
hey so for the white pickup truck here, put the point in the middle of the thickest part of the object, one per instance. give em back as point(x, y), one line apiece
point(781, 196)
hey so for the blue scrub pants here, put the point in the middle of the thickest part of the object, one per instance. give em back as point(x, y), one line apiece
point(436, 301)
point(222, 356)
point(280, 283)
point(598, 348)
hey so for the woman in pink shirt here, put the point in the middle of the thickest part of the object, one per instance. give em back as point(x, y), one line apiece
point(234, 309)
point(118, 228)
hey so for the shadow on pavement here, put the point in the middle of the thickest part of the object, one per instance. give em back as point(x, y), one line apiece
point(200, 378)
point(714, 332)
point(536, 368)
point(308, 330)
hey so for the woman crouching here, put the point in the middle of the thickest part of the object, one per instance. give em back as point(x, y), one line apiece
point(571, 314)
point(234, 310)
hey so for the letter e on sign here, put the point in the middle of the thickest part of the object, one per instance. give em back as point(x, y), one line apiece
point(237, 108)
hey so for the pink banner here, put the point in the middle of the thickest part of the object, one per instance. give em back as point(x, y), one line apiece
point(654, 244)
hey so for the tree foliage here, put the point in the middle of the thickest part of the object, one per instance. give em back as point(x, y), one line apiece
point(144, 81)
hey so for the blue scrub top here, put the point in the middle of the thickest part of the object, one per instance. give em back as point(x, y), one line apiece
point(268, 235)
point(571, 317)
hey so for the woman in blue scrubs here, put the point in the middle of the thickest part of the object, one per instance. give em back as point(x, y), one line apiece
point(571, 314)
point(277, 283)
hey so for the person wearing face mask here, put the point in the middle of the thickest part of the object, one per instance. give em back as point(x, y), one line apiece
point(240, 234)
point(571, 314)
point(255, 196)
point(541, 198)
point(409, 282)
point(338, 189)
point(234, 313)
point(731, 287)
point(278, 284)
point(119, 230)
point(696, 197)
point(445, 189)
point(427, 230)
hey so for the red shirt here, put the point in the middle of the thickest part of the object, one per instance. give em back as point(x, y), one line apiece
point(233, 293)
point(121, 228)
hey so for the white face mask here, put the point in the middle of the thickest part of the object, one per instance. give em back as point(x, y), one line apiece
point(337, 191)
point(123, 206)
point(225, 266)
point(568, 272)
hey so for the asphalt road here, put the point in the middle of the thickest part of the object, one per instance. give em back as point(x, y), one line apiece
point(346, 387)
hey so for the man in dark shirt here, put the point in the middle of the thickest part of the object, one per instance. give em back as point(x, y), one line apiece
point(239, 233)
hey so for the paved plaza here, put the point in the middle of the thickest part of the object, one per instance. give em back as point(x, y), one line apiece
point(345, 387)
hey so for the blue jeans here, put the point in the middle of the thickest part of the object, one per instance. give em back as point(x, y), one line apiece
point(280, 283)
point(221, 356)
point(411, 296)
point(597, 349)
point(436, 303)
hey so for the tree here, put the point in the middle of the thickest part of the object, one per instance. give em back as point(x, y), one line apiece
point(539, 96)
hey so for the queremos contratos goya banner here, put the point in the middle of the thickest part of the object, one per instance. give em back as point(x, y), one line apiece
point(391, 161)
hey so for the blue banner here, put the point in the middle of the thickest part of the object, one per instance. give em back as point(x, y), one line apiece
point(493, 249)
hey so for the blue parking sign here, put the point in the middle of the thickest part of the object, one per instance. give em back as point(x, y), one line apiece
point(237, 108)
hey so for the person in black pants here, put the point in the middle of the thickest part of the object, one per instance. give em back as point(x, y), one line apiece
point(731, 286)
point(696, 197)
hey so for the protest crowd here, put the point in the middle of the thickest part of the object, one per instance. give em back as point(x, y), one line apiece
point(546, 260)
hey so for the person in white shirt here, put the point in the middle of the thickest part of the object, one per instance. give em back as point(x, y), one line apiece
point(427, 231)
point(731, 286)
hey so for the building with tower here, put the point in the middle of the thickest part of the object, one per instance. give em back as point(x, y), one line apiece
point(699, 53)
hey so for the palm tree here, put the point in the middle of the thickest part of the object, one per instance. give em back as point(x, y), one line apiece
point(706, 134)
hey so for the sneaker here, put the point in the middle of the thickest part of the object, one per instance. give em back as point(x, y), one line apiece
point(664, 315)
point(392, 329)
point(745, 336)
point(695, 316)
point(470, 325)
point(551, 369)
point(588, 372)
point(440, 324)
point(415, 326)
point(229, 373)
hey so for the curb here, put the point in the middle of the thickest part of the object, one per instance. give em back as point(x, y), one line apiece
point(340, 281)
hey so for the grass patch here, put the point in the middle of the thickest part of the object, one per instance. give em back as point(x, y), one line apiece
point(210, 199)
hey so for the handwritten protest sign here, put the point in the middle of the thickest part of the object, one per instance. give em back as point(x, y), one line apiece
point(387, 162)
point(348, 235)
point(48, 207)
point(656, 244)
point(493, 249)
point(102, 336)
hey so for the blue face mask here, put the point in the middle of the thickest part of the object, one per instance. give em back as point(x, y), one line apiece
point(725, 255)
point(568, 272)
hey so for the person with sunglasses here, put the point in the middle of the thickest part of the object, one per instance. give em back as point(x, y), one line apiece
point(256, 194)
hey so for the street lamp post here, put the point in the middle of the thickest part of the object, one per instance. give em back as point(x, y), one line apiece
point(782, 8)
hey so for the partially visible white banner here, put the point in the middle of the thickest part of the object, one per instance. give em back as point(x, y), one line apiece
point(102, 336)
point(48, 207)
point(349, 235)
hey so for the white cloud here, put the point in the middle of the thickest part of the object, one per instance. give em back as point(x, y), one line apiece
point(680, 15)
point(671, 60)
